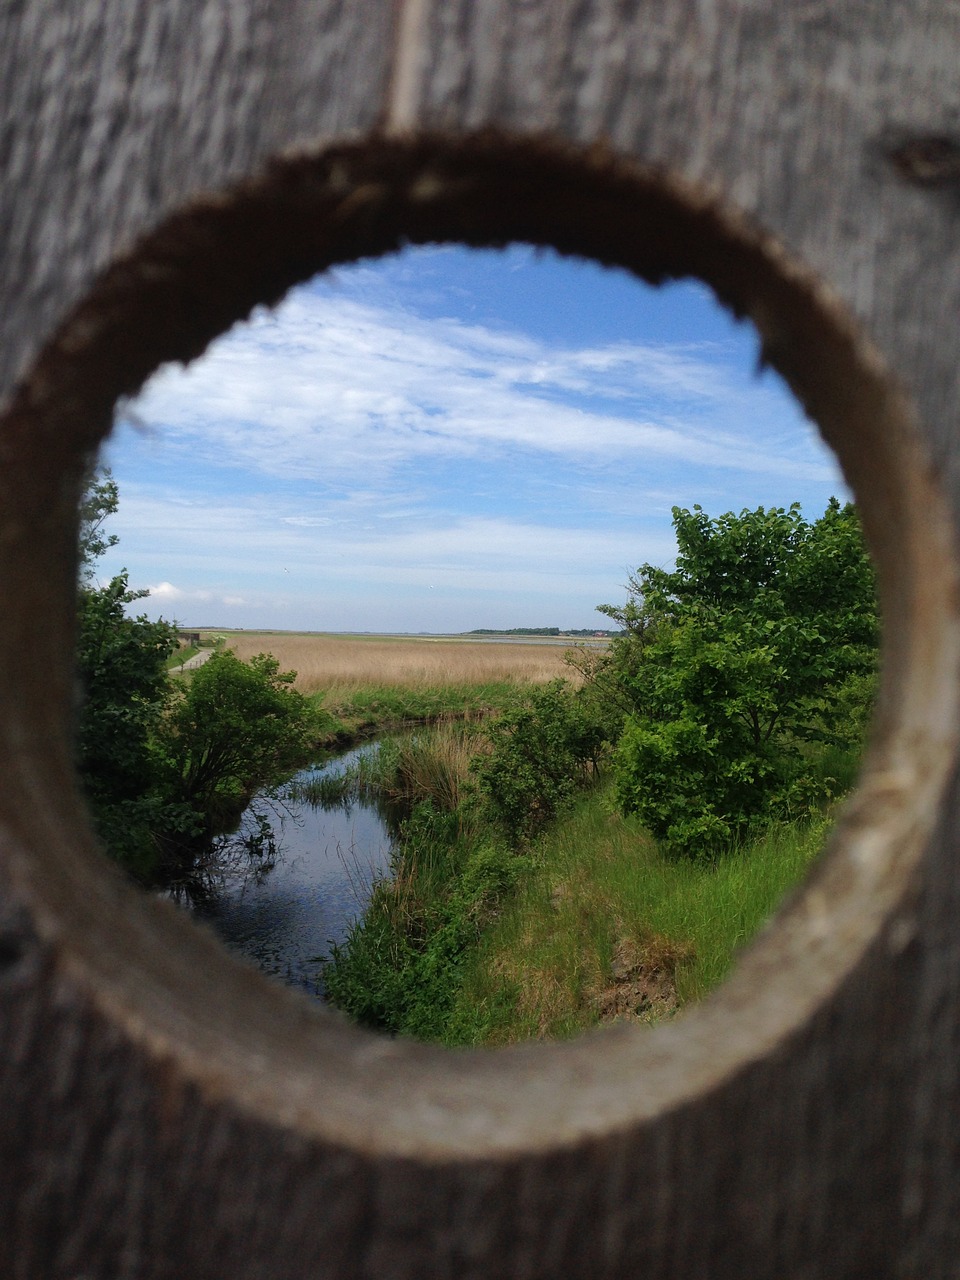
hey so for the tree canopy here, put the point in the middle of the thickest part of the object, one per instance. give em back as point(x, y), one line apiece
point(100, 500)
point(234, 729)
point(761, 640)
point(123, 687)
point(167, 766)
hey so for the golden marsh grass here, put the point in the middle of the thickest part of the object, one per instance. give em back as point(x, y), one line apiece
point(326, 662)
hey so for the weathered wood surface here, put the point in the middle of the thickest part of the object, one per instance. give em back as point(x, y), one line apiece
point(164, 1113)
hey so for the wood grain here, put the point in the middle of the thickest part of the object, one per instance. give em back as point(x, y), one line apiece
point(166, 1113)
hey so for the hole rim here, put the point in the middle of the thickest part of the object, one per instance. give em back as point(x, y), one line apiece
point(268, 1051)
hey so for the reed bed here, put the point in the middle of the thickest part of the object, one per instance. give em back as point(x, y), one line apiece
point(343, 663)
point(433, 766)
point(405, 771)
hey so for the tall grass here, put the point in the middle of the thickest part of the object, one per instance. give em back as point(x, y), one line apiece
point(344, 666)
point(474, 941)
point(431, 767)
point(330, 790)
point(603, 907)
point(379, 706)
point(716, 908)
point(399, 969)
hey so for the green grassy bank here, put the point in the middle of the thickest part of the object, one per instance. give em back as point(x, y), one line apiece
point(483, 940)
point(352, 714)
point(606, 927)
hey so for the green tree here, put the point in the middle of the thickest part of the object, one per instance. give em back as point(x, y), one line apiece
point(237, 728)
point(99, 502)
point(123, 687)
point(540, 754)
point(168, 767)
point(609, 674)
point(757, 645)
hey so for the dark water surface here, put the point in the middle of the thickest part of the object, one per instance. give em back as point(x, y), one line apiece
point(319, 886)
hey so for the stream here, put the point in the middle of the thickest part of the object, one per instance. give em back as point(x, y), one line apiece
point(285, 920)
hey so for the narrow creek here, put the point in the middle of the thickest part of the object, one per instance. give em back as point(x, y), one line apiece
point(285, 920)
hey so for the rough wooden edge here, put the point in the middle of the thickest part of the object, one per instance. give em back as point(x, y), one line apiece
point(173, 990)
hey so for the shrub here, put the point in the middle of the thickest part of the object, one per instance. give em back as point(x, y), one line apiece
point(760, 645)
point(540, 754)
point(121, 670)
point(236, 728)
point(401, 966)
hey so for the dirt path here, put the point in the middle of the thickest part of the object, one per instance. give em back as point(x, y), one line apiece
point(197, 660)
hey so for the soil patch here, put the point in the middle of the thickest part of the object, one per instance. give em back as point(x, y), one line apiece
point(642, 985)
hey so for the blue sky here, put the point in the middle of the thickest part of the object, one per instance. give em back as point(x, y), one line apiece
point(447, 439)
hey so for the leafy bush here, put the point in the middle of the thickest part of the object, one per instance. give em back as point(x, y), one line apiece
point(540, 754)
point(762, 641)
point(168, 767)
point(123, 684)
point(235, 729)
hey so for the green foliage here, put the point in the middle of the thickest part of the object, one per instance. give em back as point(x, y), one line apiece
point(600, 885)
point(762, 639)
point(99, 502)
point(737, 689)
point(180, 656)
point(394, 981)
point(399, 969)
point(431, 764)
point(121, 674)
point(540, 754)
point(234, 729)
point(455, 860)
point(386, 708)
point(167, 767)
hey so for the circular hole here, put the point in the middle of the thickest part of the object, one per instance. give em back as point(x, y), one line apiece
point(437, 441)
point(174, 991)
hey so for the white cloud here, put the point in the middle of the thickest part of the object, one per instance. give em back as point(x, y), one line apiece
point(252, 537)
point(345, 452)
point(334, 387)
point(233, 555)
point(165, 593)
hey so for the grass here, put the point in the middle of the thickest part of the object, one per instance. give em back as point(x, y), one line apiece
point(365, 686)
point(474, 941)
point(176, 660)
point(399, 970)
point(607, 927)
point(381, 706)
point(430, 766)
point(346, 668)
point(470, 942)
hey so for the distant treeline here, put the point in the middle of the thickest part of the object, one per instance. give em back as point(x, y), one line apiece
point(540, 631)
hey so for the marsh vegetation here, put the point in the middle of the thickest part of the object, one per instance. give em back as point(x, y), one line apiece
point(602, 847)
point(578, 833)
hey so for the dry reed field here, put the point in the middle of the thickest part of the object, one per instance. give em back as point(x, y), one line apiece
point(324, 662)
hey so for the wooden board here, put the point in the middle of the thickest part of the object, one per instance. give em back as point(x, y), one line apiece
point(166, 167)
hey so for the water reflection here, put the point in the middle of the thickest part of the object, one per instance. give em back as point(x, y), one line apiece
point(287, 918)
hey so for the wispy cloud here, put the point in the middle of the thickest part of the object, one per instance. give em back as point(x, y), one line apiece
point(247, 540)
point(335, 387)
point(167, 593)
point(374, 454)
point(165, 596)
